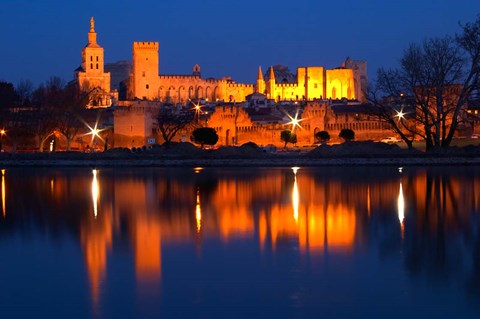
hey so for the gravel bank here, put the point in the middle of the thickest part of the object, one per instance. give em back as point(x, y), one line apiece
point(185, 154)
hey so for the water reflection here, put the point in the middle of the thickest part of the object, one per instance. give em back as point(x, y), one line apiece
point(337, 213)
point(295, 195)
point(198, 212)
point(401, 209)
point(4, 204)
point(94, 192)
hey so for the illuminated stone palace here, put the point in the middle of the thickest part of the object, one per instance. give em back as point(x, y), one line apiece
point(315, 87)
point(313, 82)
point(145, 82)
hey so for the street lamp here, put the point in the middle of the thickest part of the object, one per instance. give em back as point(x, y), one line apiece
point(197, 108)
point(2, 133)
point(294, 121)
point(400, 114)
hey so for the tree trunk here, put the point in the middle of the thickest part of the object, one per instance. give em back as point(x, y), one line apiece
point(409, 144)
point(68, 143)
point(41, 144)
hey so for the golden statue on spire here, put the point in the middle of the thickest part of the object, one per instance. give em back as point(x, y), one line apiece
point(92, 25)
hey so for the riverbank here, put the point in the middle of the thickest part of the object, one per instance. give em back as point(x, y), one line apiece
point(248, 155)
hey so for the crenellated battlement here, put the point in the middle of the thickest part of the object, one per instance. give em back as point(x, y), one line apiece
point(178, 77)
point(213, 81)
point(287, 85)
point(145, 45)
point(240, 85)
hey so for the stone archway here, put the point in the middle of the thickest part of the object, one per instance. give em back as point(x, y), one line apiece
point(315, 131)
point(215, 94)
point(208, 93)
point(171, 94)
point(161, 93)
point(227, 137)
point(181, 94)
point(200, 92)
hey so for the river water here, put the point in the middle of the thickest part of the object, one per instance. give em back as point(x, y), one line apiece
point(343, 242)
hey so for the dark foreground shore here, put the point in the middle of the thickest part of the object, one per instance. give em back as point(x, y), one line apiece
point(185, 154)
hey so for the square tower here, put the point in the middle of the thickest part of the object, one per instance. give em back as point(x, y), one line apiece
point(144, 79)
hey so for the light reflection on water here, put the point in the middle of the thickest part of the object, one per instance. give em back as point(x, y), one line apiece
point(286, 242)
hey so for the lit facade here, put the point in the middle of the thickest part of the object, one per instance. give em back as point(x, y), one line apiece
point(313, 82)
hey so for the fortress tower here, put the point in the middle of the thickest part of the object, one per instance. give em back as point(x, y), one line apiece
point(91, 76)
point(145, 80)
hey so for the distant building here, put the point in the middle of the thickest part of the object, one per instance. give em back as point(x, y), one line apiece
point(119, 72)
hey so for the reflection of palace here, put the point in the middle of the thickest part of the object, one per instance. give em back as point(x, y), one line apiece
point(320, 213)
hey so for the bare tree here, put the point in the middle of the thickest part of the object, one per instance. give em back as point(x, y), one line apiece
point(68, 118)
point(439, 76)
point(171, 120)
point(24, 91)
point(48, 100)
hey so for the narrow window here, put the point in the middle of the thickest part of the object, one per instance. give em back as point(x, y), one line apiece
point(97, 66)
point(147, 86)
point(91, 65)
point(97, 58)
point(91, 58)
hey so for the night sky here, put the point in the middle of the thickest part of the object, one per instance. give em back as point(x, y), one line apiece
point(43, 38)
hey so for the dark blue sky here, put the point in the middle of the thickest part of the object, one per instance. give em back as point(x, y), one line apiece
point(226, 37)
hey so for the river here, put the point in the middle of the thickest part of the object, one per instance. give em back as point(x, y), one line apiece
point(327, 242)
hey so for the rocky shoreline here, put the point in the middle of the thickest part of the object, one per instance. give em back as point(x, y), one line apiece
point(249, 155)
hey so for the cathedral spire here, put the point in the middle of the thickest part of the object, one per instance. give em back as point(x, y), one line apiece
point(260, 75)
point(92, 35)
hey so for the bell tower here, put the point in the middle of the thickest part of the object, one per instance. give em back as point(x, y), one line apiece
point(92, 53)
point(91, 75)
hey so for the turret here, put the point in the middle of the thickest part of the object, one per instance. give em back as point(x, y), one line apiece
point(271, 85)
point(260, 81)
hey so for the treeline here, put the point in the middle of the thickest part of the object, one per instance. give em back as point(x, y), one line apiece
point(29, 116)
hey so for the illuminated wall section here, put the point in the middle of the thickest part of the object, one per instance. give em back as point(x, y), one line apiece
point(315, 83)
point(340, 84)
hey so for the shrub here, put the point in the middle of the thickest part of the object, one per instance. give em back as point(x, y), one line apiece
point(204, 135)
point(322, 136)
point(347, 134)
point(288, 136)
